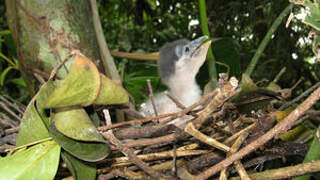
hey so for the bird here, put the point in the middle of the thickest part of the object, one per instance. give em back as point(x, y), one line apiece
point(178, 64)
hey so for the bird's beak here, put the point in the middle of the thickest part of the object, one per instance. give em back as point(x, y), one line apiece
point(199, 53)
point(198, 48)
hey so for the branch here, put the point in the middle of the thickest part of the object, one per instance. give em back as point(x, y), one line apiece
point(107, 60)
point(281, 127)
point(287, 172)
point(151, 56)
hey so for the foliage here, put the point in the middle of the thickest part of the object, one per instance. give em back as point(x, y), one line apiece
point(11, 82)
point(68, 123)
point(142, 26)
point(27, 163)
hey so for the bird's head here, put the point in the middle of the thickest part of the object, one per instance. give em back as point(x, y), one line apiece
point(182, 58)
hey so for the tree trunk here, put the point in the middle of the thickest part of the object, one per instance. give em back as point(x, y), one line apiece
point(46, 31)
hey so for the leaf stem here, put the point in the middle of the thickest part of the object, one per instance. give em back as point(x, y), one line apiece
point(266, 39)
point(210, 56)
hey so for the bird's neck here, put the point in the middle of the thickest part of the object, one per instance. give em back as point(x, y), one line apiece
point(185, 89)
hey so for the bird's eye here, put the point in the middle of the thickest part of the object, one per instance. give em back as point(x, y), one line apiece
point(187, 49)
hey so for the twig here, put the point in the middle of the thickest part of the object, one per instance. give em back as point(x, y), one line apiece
point(287, 92)
point(276, 79)
point(185, 111)
point(124, 161)
point(227, 90)
point(8, 110)
point(304, 94)
point(41, 73)
point(287, 172)
point(56, 69)
point(177, 102)
point(112, 174)
point(163, 139)
point(174, 161)
point(11, 130)
point(39, 78)
point(259, 160)
point(151, 56)
point(18, 107)
point(190, 129)
point(281, 127)
point(171, 115)
point(133, 113)
point(125, 173)
point(245, 130)
point(127, 151)
point(241, 170)
point(144, 131)
point(152, 97)
point(5, 120)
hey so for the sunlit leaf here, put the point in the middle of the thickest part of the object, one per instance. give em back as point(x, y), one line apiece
point(111, 93)
point(37, 162)
point(4, 74)
point(81, 86)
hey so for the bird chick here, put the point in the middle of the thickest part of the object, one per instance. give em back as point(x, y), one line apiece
point(178, 65)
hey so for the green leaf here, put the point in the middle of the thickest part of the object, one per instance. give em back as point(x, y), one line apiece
point(87, 151)
point(313, 19)
point(37, 162)
point(81, 86)
point(19, 81)
point(75, 123)
point(313, 154)
point(111, 93)
point(225, 51)
point(32, 128)
point(4, 74)
point(80, 170)
point(46, 91)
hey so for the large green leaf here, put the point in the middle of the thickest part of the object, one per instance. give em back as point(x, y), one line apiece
point(81, 86)
point(87, 151)
point(225, 51)
point(75, 123)
point(80, 170)
point(32, 128)
point(46, 91)
point(37, 162)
